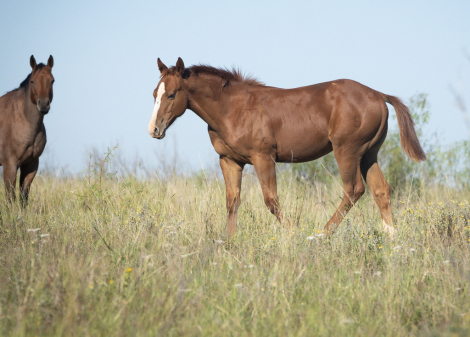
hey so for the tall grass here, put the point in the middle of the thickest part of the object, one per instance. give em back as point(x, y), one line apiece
point(149, 258)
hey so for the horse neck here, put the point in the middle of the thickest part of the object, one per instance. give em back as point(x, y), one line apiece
point(30, 112)
point(208, 101)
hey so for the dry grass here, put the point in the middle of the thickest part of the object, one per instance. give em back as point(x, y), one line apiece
point(146, 258)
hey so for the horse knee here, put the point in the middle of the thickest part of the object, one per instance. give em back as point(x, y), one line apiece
point(233, 202)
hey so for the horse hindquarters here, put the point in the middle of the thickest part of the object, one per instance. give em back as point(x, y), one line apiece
point(356, 139)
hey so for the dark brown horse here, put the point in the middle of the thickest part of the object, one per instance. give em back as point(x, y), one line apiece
point(250, 123)
point(22, 131)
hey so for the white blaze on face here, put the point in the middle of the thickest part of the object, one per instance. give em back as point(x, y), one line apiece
point(158, 100)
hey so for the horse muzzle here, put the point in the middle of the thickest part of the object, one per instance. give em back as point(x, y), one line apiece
point(157, 133)
point(44, 106)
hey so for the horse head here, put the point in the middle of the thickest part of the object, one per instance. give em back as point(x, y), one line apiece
point(40, 83)
point(170, 99)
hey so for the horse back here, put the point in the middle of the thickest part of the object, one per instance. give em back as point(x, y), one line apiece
point(304, 123)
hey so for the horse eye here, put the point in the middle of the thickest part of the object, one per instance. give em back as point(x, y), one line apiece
point(32, 81)
point(172, 96)
point(53, 81)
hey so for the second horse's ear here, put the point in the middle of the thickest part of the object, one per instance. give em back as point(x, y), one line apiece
point(32, 62)
point(161, 66)
point(50, 61)
point(180, 66)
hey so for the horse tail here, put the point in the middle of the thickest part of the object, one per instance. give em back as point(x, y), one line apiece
point(409, 139)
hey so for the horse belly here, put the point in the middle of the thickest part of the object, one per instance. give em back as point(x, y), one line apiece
point(304, 150)
point(302, 141)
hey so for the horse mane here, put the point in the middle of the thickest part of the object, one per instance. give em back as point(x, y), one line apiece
point(25, 83)
point(227, 75)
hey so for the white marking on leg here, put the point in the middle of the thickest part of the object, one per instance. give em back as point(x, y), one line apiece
point(158, 100)
point(388, 229)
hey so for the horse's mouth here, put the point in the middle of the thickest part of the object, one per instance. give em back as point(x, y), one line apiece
point(160, 136)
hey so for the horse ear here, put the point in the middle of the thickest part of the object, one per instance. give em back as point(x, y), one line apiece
point(50, 61)
point(32, 62)
point(161, 66)
point(180, 66)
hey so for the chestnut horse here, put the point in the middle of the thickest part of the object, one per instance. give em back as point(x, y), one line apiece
point(250, 123)
point(22, 131)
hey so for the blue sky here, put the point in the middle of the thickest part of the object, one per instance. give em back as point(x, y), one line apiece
point(106, 61)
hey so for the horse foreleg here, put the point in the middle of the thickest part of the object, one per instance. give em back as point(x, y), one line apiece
point(232, 172)
point(266, 171)
point(28, 172)
point(9, 179)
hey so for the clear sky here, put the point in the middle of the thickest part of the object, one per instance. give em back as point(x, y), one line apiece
point(106, 54)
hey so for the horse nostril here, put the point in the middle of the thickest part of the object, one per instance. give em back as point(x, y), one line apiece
point(156, 131)
point(48, 102)
point(39, 102)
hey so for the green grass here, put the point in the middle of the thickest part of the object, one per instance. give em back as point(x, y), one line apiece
point(143, 258)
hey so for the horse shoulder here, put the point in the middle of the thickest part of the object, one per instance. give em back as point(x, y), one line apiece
point(40, 142)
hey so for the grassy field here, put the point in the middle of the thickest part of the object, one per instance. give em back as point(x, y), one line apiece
point(150, 258)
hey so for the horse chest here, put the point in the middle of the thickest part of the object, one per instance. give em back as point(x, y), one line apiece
point(32, 148)
point(224, 149)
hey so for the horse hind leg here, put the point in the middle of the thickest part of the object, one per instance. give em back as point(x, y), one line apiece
point(380, 189)
point(353, 189)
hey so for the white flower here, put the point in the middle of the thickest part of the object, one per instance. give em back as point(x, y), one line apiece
point(378, 273)
point(34, 230)
point(44, 235)
point(310, 238)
